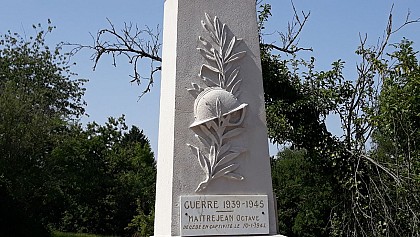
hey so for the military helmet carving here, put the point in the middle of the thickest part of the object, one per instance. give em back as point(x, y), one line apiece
point(205, 108)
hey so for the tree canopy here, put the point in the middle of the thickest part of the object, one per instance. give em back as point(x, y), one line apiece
point(56, 174)
point(365, 182)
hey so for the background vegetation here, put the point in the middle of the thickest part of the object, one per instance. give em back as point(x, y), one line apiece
point(59, 176)
point(54, 173)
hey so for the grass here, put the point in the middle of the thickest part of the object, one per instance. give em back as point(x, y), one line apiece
point(62, 234)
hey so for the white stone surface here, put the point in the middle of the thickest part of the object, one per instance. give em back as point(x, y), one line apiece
point(179, 171)
point(166, 148)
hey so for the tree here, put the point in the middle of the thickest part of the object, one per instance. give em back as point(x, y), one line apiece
point(13, 219)
point(53, 172)
point(37, 99)
point(304, 194)
point(107, 174)
point(396, 136)
point(371, 188)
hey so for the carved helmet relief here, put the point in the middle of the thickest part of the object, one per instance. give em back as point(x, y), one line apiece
point(214, 100)
point(217, 111)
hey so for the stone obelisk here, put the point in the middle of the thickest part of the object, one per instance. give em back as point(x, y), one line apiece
point(213, 164)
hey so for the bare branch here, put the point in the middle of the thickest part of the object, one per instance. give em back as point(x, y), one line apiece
point(377, 165)
point(135, 44)
point(290, 38)
point(407, 22)
point(354, 120)
point(286, 50)
point(370, 192)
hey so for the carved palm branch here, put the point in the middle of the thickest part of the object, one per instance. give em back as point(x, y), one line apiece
point(220, 53)
point(217, 163)
point(218, 157)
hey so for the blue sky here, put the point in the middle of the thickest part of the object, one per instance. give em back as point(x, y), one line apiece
point(332, 31)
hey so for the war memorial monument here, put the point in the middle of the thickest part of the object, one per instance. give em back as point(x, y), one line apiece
point(213, 163)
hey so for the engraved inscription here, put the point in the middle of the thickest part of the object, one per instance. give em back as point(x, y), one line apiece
point(224, 215)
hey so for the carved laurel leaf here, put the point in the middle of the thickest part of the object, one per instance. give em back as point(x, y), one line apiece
point(204, 163)
point(197, 87)
point(238, 149)
point(235, 88)
point(218, 30)
point(229, 157)
point(232, 78)
point(209, 82)
point(224, 34)
point(220, 130)
point(226, 147)
point(196, 90)
point(203, 141)
point(206, 26)
point(230, 47)
point(210, 68)
point(208, 19)
point(210, 27)
point(212, 156)
point(235, 152)
point(233, 133)
point(225, 170)
point(218, 60)
point(205, 42)
point(211, 33)
point(206, 54)
point(236, 56)
point(214, 38)
point(202, 186)
point(208, 133)
point(234, 176)
point(193, 92)
point(228, 67)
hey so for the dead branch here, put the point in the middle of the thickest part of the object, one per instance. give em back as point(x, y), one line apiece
point(290, 38)
point(287, 50)
point(135, 44)
point(377, 165)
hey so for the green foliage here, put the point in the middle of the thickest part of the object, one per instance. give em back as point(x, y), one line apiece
point(142, 224)
point(340, 186)
point(307, 182)
point(297, 105)
point(41, 74)
point(398, 119)
point(37, 98)
point(120, 168)
point(381, 194)
point(263, 14)
point(397, 132)
point(13, 219)
point(304, 194)
point(54, 173)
